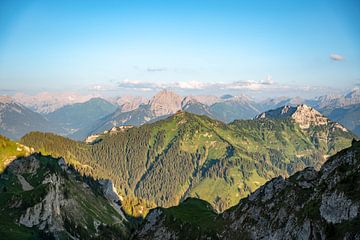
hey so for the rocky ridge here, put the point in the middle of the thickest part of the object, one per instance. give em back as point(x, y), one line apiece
point(46, 198)
point(302, 114)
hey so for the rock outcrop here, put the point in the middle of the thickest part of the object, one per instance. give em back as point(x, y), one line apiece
point(302, 114)
point(43, 196)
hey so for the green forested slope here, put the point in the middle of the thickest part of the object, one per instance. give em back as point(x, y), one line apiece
point(187, 155)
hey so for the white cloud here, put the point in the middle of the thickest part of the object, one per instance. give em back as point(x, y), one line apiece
point(336, 57)
point(198, 85)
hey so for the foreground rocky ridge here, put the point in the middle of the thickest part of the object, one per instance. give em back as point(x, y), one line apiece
point(42, 198)
point(310, 204)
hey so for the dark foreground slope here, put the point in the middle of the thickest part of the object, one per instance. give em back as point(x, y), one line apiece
point(310, 204)
point(187, 155)
point(42, 198)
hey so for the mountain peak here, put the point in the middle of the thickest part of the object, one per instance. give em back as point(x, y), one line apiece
point(302, 114)
point(165, 102)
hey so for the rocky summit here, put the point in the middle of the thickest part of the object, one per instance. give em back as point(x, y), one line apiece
point(164, 103)
point(310, 204)
point(302, 114)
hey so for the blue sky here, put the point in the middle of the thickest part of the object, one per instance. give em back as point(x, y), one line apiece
point(255, 47)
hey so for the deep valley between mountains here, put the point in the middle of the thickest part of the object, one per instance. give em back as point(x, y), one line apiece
point(290, 173)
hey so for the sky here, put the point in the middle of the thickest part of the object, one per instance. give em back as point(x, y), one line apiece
point(261, 48)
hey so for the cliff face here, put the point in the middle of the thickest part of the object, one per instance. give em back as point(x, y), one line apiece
point(310, 204)
point(43, 197)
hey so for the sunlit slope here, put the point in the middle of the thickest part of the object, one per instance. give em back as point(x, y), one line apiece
point(10, 150)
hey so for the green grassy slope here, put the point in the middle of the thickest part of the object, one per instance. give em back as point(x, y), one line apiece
point(10, 150)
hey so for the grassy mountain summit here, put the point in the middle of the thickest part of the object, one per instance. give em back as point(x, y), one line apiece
point(188, 155)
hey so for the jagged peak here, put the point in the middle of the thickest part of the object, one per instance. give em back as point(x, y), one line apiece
point(165, 102)
point(302, 114)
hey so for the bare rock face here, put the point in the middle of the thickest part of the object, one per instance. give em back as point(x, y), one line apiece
point(165, 102)
point(20, 166)
point(306, 116)
point(112, 195)
point(337, 208)
point(47, 212)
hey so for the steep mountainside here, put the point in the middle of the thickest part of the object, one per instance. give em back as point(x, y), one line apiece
point(42, 198)
point(308, 205)
point(186, 155)
point(17, 120)
point(81, 115)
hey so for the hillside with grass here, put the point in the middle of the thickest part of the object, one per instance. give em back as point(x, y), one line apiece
point(10, 150)
point(188, 155)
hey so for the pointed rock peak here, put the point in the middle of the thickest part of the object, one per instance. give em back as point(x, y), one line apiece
point(302, 114)
point(165, 102)
point(165, 93)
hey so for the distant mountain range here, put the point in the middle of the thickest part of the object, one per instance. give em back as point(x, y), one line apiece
point(96, 115)
point(17, 120)
point(78, 116)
